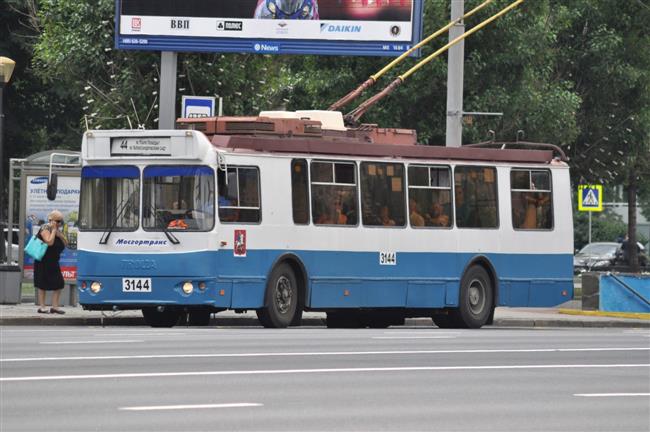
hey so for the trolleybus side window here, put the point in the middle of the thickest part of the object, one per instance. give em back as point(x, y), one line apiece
point(382, 194)
point(300, 191)
point(532, 199)
point(430, 196)
point(334, 193)
point(239, 197)
point(476, 197)
point(178, 198)
point(110, 198)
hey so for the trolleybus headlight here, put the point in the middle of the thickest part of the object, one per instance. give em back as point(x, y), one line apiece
point(202, 286)
point(188, 287)
point(96, 287)
point(84, 285)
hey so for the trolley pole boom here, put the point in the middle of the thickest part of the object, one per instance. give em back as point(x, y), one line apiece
point(374, 78)
point(354, 115)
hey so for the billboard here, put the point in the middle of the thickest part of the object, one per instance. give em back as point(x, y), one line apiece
point(37, 208)
point(326, 27)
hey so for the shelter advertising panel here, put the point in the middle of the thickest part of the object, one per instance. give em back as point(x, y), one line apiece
point(334, 27)
point(37, 207)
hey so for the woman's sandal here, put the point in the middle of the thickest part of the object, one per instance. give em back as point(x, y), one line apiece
point(42, 311)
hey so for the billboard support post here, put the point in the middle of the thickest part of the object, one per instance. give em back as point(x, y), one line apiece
point(455, 72)
point(167, 110)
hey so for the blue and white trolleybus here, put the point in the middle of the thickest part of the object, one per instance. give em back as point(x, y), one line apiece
point(290, 212)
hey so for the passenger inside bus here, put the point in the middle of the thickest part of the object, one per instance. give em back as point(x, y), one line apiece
point(534, 203)
point(437, 216)
point(416, 218)
point(384, 215)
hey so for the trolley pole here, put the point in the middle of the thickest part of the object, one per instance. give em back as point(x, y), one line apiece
point(455, 72)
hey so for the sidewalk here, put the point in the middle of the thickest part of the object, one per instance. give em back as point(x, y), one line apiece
point(566, 315)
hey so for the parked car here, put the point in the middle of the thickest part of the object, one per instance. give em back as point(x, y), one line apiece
point(604, 256)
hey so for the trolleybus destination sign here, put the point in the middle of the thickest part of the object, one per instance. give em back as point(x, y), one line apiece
point(334, 27)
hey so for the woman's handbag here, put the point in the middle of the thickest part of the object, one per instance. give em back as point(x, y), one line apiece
point(36, 248)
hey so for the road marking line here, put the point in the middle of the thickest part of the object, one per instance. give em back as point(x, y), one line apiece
point(184, 407)
point(139, 334)
point(315, 371)
point(424, 331)
point(610, 394)
point(334, 353)
point(90, 342)
point(414, 337)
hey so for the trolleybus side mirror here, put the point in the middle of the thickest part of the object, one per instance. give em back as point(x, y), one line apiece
point(52, 182)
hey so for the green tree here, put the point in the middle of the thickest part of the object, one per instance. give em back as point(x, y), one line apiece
point(605, 52)
point(38, 116)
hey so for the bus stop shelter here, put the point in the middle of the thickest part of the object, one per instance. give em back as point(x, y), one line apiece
point(28, 209)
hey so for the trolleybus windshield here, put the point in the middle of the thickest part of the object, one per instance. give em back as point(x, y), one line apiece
point(178, 198)
point(105, 191)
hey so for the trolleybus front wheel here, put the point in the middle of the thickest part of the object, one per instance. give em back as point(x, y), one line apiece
point(167, 317)
point(281, 299)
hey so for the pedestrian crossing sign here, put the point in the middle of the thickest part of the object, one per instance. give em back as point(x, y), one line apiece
point(590, 198)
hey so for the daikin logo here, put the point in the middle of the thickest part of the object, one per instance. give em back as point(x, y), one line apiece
point(336, 28)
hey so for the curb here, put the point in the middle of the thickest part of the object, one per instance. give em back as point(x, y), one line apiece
point(631, 315)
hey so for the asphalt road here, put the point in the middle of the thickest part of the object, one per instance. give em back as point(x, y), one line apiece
point(308, 379)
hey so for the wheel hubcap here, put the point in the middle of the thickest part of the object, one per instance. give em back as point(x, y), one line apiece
point(283, 294)
point(476, 296)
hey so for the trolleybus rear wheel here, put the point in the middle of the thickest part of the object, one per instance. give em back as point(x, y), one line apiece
point(281, 299)
point(168, 317)
point(475, 298)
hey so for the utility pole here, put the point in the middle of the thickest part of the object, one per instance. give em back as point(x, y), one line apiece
point(455, 72)
point(167, 107)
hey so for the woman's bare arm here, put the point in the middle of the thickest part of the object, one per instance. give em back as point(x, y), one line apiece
point(48, 233)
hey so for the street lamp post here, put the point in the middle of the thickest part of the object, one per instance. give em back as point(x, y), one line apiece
point(6, 69)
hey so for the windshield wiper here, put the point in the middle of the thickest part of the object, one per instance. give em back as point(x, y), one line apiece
point(172, 238)
point(127, 205)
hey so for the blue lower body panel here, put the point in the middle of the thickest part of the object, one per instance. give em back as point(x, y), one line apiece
point(334, 279)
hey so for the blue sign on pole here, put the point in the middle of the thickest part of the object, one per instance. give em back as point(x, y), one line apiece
point(198, 106)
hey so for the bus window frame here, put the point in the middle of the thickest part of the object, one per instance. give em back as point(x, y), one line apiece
point(355, 185)
point(405, 191)
point(496, 189)
point(452, 197)
point(549, 191)
point(259, 196)
point(308, 177)
point(138, 224)
point(173, 230)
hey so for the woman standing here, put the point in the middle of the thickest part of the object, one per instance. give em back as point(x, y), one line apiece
point(47, 273)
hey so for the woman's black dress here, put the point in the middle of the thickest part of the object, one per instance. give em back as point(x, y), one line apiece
point(47, 273)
